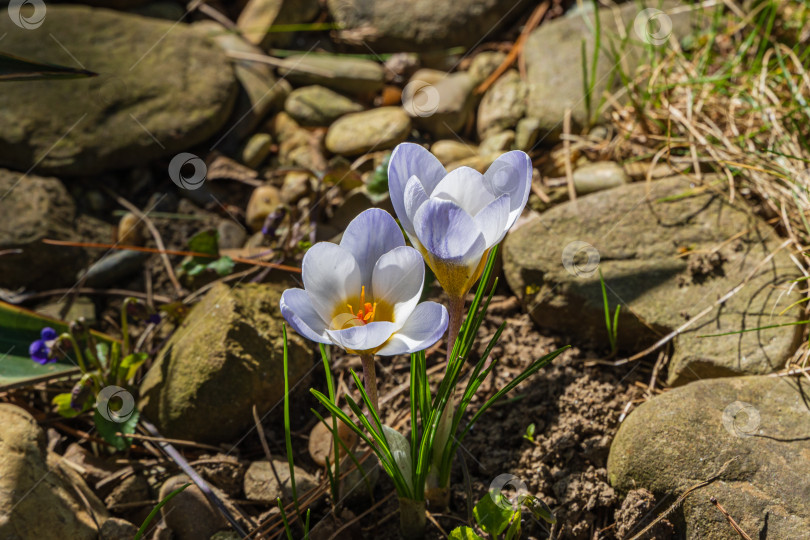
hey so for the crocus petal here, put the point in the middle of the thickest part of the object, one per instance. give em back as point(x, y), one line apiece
point(492, 219)
point(370, 235)
point(330, 275)
point(415, 197)
point(424, 327)
point(408, 160)
point(398, 279)
point(465, 187)
point(38, 351)
point(448, 232)
point(297, 309)
point(511, 174)
point(47, 334)
point(363, 338)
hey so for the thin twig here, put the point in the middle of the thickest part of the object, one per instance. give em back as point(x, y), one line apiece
point(177, 442)
point(265, 447)
point(164, 252)
point(569, 174)
point(155, 234)
point(729, 519)
point(669, 337)
point(517, 48)
point(680, 499)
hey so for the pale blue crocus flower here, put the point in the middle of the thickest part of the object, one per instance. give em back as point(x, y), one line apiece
point(363, 294)
point(454, 219)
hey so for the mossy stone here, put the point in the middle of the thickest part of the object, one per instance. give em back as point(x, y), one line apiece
point(667, 252)
point(224, 358)
point(752, 431)
point(161, 87)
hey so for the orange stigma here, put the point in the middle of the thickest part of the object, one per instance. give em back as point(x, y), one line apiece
point(367, 309)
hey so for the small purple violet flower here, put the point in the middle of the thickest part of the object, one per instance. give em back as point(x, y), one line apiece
point(40, 349)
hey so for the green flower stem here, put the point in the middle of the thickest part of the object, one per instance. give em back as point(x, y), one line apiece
point(455, 311)
point(125, 325)
point(412, 518)
point(370, 379)
point(76, 350)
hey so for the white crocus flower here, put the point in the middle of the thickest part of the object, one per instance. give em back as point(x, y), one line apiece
point(455, 218)
point(363, 294)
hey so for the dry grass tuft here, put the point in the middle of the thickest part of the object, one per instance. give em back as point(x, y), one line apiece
point(733, 102)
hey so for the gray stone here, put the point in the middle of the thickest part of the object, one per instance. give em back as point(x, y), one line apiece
point(400, 66)
point(263, 201)
point(35, 208)
point(261, 485)
point(162, 87)
point(480, 162)
point(667, 252)
point(421, 25)
point(428, 75)
point(526, 133)
point(318, 106)
point(296, 186)
point(503, 105)
point(751, 431)
point(599, 176)
point(231, 235)
point(444, 107)
point(484, 64)
point(118, 529)
point(352, 76)
point(450, 150)
point(497, 143)
point(224, 358)
point(375, 129)
point(189, 514)
point(81, 306)
point(38, 493)
point(259, 15)
point(553, 54)
point(113, 267)
point(256, 149)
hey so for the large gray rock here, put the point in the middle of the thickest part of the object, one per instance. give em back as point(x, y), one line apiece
point(35, 208)
point(38, 494)
point(667, 252)
point(752, 431)
point(553, 56)
point(375, 129)
point(226, 357)
point(162, 87)
point(352, 76)
point(420, 25)
point(318, 106)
